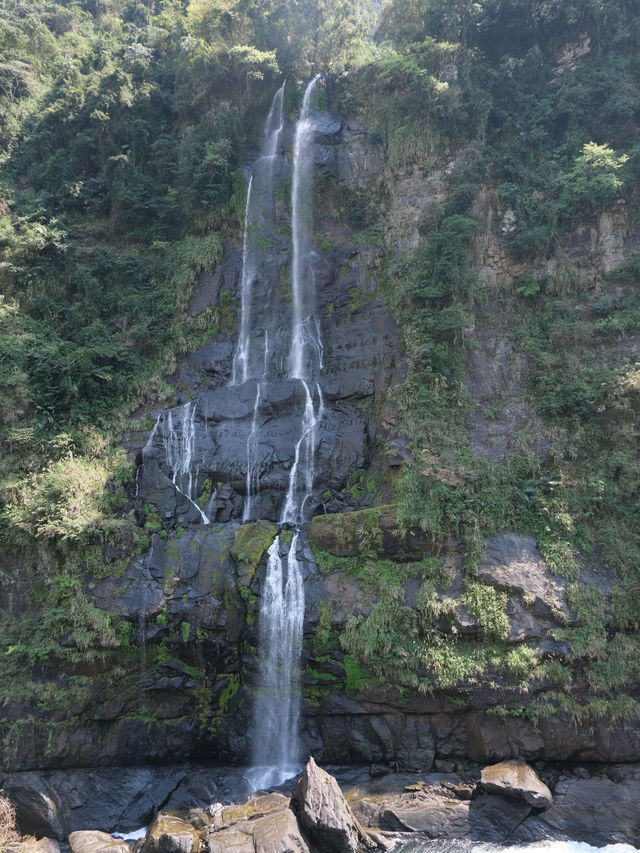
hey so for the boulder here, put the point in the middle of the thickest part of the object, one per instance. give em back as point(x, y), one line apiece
point(264, 824)
point(517, 780)
point(324, 812)
point(171, 834)
point(38, 810)
point(439, 815)
point(44, 845)
point(92, 841)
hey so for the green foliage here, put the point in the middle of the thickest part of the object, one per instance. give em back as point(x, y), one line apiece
point(407, 647)
point(250, 543)
point(488, 606)
point(593, 182)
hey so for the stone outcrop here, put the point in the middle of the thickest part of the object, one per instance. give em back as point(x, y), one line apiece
point(92, 841)
point(598, 810)
point(434, 807)
point(323, 811)
point(113, 799)
point(170, 834)
point(376, 811)
point(264, 824)
point(37, 806)
point(517, 780)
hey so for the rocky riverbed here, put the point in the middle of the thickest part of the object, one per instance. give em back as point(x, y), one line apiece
point(187, 809)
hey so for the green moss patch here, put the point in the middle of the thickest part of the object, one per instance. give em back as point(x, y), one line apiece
point(346, 534)
point(249, 544)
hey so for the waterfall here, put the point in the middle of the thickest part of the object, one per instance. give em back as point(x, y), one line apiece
point(241, 360)
point(306, 344)
point(258, 217)
point(277, 706)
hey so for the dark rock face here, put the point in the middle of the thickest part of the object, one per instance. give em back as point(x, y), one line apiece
point(38, 809)
point(108, 799)
point(359, 344)
point(595, 810)
point(431, 808)
point(190, 579)
point(598, 811)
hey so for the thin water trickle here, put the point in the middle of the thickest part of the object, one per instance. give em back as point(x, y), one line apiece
point(178, 435)
point(241, 360)
point(253, 474)
point(258, 216)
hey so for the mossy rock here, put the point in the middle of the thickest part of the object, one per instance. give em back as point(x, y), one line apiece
point(347, 534)
point(249, 544)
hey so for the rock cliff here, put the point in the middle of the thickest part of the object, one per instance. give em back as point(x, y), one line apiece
point(475, 649)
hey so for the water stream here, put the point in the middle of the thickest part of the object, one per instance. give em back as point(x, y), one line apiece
point(177, 431)
point(277, 705)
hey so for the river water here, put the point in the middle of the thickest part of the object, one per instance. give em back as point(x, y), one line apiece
point(468, 846)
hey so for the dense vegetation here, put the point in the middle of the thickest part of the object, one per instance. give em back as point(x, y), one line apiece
point(125, 126)
point(539, 104)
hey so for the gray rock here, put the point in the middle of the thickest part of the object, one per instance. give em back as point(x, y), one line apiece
point(109, 798)
point(514, 563)
point(264, 824)
point(596, 810)
point(38, 808)
point(92, 841)
point(517, 780)
point(440, 815)
point(323, 811)
point(198, 788)
point(495, 379)
point(171, 834)
point(43, 845)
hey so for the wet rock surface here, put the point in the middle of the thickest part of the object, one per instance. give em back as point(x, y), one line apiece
point(38, 806)
point(592, 809)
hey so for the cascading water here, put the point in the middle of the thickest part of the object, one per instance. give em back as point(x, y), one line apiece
point(277, 707)
point(177, 430)
point(258, 221)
